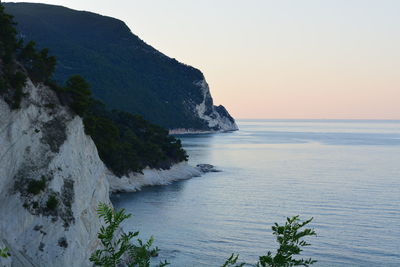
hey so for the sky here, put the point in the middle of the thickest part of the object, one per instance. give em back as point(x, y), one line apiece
point(289, 59)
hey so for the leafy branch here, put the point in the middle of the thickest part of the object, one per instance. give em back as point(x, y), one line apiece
point(117, 246)
point(4, 253)
point(290, 238)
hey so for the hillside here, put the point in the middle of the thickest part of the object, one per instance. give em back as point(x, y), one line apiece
point(124, 71)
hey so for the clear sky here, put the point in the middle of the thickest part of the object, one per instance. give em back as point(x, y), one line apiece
point(337, 59)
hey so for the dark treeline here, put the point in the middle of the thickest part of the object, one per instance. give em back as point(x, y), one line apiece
point(125, 142)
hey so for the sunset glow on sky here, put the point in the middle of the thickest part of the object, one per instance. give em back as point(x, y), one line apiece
point(278, 59)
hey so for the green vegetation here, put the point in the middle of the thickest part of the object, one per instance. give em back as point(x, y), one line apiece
point(78, 90)
point(10, 75)
point(36, 186)
point(52, 202)
point(232, 261)
point(4, 253)
point(39, 64)
point(8, 40)
point(125, 73)
point(116, 244)
point(125, 142)
point(16, 60)
point(289, 237)
point(128, 143)
point(17, 81)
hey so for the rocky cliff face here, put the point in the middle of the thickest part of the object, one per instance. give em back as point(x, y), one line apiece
point(217, 117)
point(124, 72)
point(52, 180)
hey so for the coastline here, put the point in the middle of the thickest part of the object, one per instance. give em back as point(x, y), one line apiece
point(183, 131)
point(150, 177)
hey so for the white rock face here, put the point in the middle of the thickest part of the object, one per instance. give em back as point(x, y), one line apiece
point(208, 112)
point(217, 118)
point(136, 181)
point(74, 174)
point(43, 143)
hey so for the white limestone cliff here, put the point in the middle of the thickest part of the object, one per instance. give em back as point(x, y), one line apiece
point(39, 142)
point(216, 118)
point(210, 113)
point(43, 142)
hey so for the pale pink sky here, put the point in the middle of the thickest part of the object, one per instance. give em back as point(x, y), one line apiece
point(278, 59)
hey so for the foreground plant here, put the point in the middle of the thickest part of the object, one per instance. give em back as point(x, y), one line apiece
point(119, 249)
point(4, 253)
point(232, 261)
point(117, 246)
point(290, 238)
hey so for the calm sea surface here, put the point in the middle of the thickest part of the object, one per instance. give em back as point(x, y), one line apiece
point(345, 174)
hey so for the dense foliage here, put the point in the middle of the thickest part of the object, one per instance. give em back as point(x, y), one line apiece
point(11, 76)
point(39, 64)
point(78, 90)
point(124, 72)
point(8, 40)
point(126, 142)
point(116, 245)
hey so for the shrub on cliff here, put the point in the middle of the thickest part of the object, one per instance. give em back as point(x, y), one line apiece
point(39, 64)
point(4, 253)
point(11, 76)
point(8, 39)
point(16, 60)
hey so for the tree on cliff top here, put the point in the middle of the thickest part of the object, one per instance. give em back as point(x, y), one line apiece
point(8, 39)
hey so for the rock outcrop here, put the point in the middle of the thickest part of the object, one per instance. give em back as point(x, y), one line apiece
point(217, 117)
point(135, 181)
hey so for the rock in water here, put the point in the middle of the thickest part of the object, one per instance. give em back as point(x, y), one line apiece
point(207, 168)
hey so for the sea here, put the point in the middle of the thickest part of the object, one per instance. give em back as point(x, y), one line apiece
point(345, 174)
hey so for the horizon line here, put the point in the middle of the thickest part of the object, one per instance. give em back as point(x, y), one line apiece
point(315, 119)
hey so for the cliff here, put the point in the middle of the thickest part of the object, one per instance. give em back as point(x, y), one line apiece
point(124, 71)
point(42, 144)
point(52, 180)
